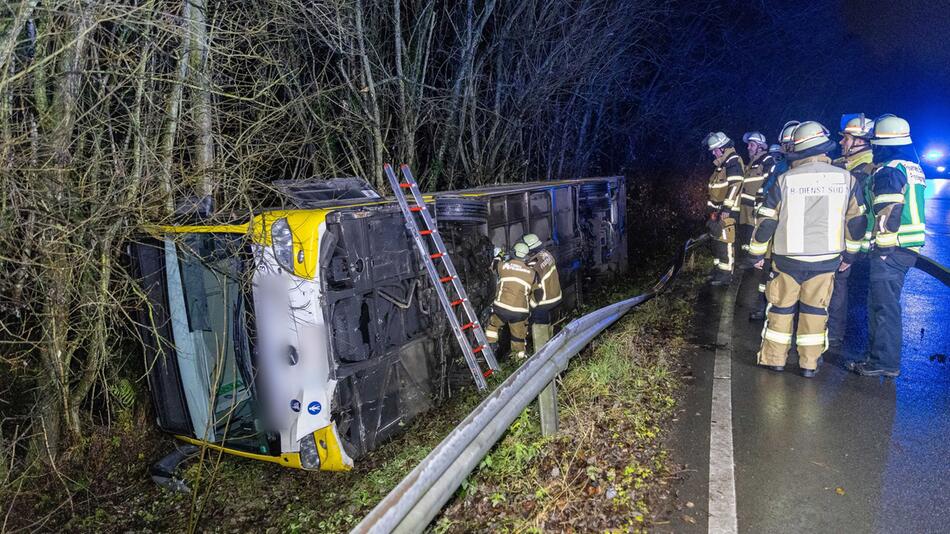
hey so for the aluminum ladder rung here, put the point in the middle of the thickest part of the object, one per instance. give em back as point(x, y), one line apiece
point(439, 281)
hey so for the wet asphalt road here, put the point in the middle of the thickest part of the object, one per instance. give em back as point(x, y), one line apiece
point(839, 453)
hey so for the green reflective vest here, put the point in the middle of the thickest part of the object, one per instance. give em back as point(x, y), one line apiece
point(913, 222)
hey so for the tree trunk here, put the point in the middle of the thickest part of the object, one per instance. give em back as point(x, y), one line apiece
point(173, 112)
point(201, 96)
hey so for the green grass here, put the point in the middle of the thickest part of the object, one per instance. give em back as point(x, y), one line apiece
point(606, 470)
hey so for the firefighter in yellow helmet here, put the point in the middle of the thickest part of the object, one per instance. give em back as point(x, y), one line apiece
point(511, 305)
point(807, 217)
point(856, 157)
point(724, 188)
point(545, 292)
point(897, 196)
point(761, 163)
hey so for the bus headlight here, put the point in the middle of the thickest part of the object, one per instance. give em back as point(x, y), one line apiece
point(282, 241)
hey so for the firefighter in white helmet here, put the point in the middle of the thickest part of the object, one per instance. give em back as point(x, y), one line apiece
point(511, 306)
point(758, 169)
point(779, 154)
point(897, 197)
point(807, 218)
point(856, 157)
point(545, 292)
point(724, 188)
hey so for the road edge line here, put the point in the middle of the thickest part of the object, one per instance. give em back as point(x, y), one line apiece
point(722, 482)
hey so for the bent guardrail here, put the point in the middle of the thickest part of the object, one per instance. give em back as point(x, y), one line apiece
point(412, 504)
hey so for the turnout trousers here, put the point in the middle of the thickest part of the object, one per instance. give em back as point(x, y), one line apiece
point(884, 308)
point(541, 328)
point(763, 276)
point(806, 293)
point(724, 247)
point(744, 237)
point(838, 307)
point(517, 329)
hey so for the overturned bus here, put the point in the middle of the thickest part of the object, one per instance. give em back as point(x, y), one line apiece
point(310, 334)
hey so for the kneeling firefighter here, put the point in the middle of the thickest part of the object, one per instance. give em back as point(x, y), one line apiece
point(807, 216)
point(511, 307)
point(545, 292)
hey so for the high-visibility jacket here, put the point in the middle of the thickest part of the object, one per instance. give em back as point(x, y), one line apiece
point(861, 165)
point(515, 280)
point(755, 174)
point(546, 291)
point(812, 215)
point(898, 199)
point(725, 184)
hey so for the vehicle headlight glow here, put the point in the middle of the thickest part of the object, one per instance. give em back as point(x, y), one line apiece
point(933, 155)
point(941, 168)
point(282, 241)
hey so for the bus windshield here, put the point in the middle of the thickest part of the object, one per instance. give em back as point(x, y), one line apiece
point(209, 310)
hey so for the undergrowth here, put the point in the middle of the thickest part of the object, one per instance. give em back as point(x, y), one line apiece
point(606, 470)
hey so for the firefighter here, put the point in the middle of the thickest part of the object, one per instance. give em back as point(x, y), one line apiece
point(511, 306)
point(807, 217)
point(723, 204)
point(759, 167)
point(545, 292)
point(856, 157)
point(897, 191)
point(781, 165)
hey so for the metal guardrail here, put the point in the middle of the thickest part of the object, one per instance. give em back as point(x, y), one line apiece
point(412, 504)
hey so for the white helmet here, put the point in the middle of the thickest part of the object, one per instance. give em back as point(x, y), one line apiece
point(809, 134)
point(774, 149)
point(785, 136)
point(715, 140)
point(757, 137)
point(858, 126)
point(890, 130)
point(521, 250)
point(531, 240)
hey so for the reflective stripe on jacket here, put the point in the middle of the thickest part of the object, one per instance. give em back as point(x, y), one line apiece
point(861, 165)
point(725, 184)
point(812, 213)
point(546, 291)
point(752, 183)
point(898, 188)
point(515, 280)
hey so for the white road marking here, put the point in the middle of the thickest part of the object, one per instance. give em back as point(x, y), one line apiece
point(722, 480)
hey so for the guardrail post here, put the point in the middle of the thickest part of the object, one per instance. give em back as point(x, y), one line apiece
point(547, 402)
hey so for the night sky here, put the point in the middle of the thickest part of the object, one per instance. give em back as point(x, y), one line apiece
point(765, 62)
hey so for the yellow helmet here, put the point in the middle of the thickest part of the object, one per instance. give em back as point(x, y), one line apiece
point(890, 130)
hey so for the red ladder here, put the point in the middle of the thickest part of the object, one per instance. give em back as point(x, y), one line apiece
point(434, 249)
